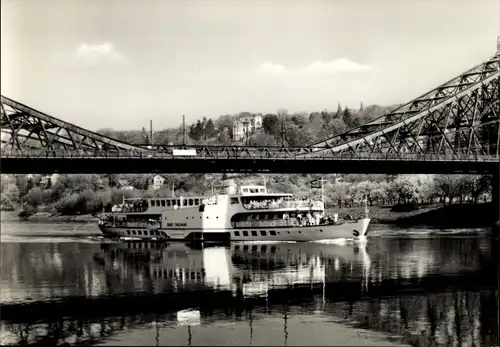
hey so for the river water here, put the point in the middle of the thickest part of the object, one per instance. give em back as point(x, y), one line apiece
point(396, 289)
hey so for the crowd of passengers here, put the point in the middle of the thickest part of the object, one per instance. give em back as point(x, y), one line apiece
point(308, 219)
point(280, 203)
point(298, 219)
point(138, 206)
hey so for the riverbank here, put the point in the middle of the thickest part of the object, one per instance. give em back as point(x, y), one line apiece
point(41, 217)
point(428, 216)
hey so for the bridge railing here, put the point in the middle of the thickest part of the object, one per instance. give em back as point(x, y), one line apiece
point(242, 153)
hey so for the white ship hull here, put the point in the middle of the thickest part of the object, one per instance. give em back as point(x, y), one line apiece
point(356, 229)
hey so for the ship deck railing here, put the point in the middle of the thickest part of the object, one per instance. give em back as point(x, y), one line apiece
point(275, 223)
point(284, 204)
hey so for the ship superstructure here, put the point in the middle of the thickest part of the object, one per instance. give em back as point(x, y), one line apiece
point(244, 213)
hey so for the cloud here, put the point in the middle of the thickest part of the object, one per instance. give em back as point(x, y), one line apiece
point(318, 67)
point(92, 55)
point(337, 65)
point(95, 54)
point(276, 69)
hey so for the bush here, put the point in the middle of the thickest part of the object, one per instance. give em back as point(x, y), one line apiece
point(28, 210)
point(413, 206)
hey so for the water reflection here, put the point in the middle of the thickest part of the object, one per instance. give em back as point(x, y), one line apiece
point(421, 292)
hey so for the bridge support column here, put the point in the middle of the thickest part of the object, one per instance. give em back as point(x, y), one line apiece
point(495, 198)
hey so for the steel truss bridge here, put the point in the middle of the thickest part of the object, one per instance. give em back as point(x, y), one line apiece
point(454, 128)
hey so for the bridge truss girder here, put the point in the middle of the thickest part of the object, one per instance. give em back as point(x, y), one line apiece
point(460, 117)
point(24, 128)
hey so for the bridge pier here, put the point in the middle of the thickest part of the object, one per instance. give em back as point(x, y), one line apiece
point(495, 198)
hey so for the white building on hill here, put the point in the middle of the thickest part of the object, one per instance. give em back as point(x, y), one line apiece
point(158, 182)
point(245, 125)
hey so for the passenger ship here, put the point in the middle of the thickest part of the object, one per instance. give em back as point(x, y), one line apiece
point(245, 213)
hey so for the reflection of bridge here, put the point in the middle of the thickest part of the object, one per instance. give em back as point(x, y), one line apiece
point(453, 128)
point(345, 272)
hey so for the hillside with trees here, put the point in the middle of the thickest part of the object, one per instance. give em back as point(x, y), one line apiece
point(84, 194)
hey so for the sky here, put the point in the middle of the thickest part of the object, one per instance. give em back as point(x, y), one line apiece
point(119, 63)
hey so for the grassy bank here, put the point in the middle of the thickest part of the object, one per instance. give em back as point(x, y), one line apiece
point(46, 217)
point(430, 216)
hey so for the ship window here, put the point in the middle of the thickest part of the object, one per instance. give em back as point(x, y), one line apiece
point(245, 190)
point(234, 201)
point(237, 247)
point(262, 190)
point(128, 232)
point(178, 203)
point(158, 203)
point(263, 248)
point(263, 233)
point(253, 190)
point(163, 202)
point(196, 201)
point(134, 232)
point(152, 203)
point(254, 248)
point(273, 249)
point(254, 233)
point(245, 248)
point(272, 232)
point(190, 202)
point(245, 233)
point(169, 203)
point(236, 233)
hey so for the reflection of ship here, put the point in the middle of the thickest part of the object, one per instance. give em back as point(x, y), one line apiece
point(245, 213)
point(249, 269)
point(334, 288)
point(173, 265)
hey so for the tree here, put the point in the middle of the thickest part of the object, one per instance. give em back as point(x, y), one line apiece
point(35, 196)
point(225, 126)
point(347, 118)
point(327, 117)
point(210, 129)
point(196, 131)
point(299, 119)
point(403, 189)
point(144, 138)
point(271, 124)
point(447, 187)
point(9, 193)
point(339, 112)
point(262, 140)
point(112, 180)
point(337, 126)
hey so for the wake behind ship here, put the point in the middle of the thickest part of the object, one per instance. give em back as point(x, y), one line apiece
point(244, 213)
